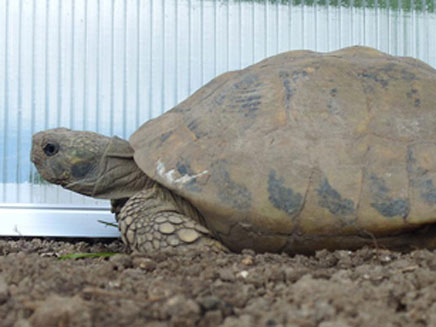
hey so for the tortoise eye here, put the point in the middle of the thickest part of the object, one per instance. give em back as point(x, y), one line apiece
point(50, 149)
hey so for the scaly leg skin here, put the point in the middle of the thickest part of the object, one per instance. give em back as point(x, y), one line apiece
point(153, 220)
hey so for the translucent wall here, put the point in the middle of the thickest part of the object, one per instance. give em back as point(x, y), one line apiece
point(108, 66)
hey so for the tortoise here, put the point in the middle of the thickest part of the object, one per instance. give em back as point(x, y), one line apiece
point(299, 152)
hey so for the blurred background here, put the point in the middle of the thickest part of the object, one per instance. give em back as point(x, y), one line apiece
point(110, 65)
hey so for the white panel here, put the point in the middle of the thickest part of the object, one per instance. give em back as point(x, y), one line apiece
point(56, 220)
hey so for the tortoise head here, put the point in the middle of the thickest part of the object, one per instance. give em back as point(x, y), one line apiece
point(87, 163)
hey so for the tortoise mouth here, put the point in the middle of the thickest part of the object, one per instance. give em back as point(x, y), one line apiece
point(36, 160)
point(35, 156)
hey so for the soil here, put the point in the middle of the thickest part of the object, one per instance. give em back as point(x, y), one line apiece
point(368, 287)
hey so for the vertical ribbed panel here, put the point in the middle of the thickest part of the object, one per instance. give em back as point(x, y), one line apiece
point(109, 65)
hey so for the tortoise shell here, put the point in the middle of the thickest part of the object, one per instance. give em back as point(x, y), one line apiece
point(303, 147)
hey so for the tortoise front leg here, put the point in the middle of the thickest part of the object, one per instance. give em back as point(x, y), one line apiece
point(149, 221)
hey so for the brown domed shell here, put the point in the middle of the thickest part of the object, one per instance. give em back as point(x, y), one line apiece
point(303, 143)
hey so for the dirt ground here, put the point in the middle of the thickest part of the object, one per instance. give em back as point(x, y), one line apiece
point(369, 287)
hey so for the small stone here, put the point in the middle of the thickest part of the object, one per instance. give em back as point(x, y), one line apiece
point(210, 302)
point(144, 263)
point(149, 237)
point(226, 274)
point(121, 261)
point(166, 228)
point(385, 258)
point(183, 311)
point(243, 274)
point(247, 261)
point(211, 318)
point(175, 220)
point(188, 235)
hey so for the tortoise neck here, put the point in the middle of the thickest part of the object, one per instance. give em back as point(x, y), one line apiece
point(119, 177)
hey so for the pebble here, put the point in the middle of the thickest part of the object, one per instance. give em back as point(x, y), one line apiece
point(247, 261)
point(144, 263)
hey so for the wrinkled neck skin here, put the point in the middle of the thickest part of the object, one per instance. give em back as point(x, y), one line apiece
point(117, 175)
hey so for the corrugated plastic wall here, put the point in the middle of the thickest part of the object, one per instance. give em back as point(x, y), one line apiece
point(109, 65)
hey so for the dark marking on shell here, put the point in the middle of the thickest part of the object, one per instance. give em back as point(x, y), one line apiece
point(230, 192)
point(411, 93)
point(419, 180)
point(288, 80)
point(184, 168)
point(219, 99)
point(194, 128)
point(80, 169)
point(247, 99)
point(407, 75)
point(248, 104)
point(330, 199)
point(410, 159)
point(389, 72)
point(247, 82)
point(332, 108)
point(414, 96)
point(249, 108)
point(428, 191)
point(289, 91)
point(298, 74)
point(165, 136)
point(374, 77)
point(333, 92)
point(392, 208)
point(281, 197)
point(383, 203)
